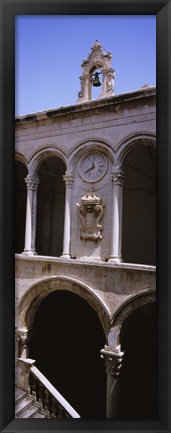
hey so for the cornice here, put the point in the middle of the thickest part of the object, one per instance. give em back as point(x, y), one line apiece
point(95, 107)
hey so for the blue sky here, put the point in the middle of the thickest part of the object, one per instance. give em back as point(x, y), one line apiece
point(49, 51)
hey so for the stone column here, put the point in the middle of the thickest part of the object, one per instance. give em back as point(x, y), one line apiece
point(32, 182)
point(68, 179)
point(34, 215)
point(116, 234)
point(113, 363)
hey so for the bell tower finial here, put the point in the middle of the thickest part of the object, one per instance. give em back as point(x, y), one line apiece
point(98, 59)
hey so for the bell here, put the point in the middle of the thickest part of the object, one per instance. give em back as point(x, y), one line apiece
point(95, 80)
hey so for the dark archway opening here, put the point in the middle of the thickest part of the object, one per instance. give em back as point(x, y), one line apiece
point(139, 206)
point(68, 337)
point(138, 392)
point(20, 205)
point(50, 207)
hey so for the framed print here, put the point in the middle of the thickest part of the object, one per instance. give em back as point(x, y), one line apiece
point(85, 212)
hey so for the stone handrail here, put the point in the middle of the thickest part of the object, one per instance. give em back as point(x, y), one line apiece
point(49, 398)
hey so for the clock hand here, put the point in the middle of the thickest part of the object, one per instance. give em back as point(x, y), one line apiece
point(90, 168)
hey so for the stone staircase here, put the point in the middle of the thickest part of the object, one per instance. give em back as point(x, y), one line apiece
point(36, 397)
point(27, 407)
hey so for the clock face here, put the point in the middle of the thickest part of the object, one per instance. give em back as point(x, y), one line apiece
point(93, 166)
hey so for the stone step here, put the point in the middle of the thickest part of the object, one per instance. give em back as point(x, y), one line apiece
point(19, 395)
point(23, 405)
point(39, 415)
point(29, 413)
point(26, 407)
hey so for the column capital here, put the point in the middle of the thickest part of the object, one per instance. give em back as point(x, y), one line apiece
point(117, 176)
point(68, 179)
point(23, 337)
point(32, 181)
point(113, 361)
point(22, 334)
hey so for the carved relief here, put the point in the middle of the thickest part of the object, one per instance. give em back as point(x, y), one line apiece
point(23, 338)
point(91, 212)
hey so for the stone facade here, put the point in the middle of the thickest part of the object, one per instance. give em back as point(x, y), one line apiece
point(92, 139)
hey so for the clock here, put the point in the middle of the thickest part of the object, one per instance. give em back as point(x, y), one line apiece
point(93, 166)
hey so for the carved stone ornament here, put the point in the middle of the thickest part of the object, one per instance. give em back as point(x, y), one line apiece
point(23, 338)
point(32, 181)
point(113, 361)
point(98, 59)
point(91, 212)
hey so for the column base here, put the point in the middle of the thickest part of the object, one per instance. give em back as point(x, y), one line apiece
point(29, 253)
point(65, 256)
point(115, 259)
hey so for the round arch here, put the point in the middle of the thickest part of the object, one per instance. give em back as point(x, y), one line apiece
point(37, 292)
point(45, 152)
point(138, 343)
point(127, 307)
point(138, 162)
point(129, 142)
point(19, 157)
point(91, 144)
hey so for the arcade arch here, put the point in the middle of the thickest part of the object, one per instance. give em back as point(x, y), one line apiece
point(138, 373)
point(139, 206)
point(130, 352)
point(50, 207)
point(69, 324)
point(90, 144)
point(38, 291)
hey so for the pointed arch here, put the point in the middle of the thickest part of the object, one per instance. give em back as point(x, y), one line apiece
point(126, 308)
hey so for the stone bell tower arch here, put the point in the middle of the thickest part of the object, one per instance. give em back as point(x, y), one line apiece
point(97, 59)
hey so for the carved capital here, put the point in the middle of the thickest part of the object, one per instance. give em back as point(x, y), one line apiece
point(23, 337)
point(32, 182)
point(68, 179)
point(118, 177)
point(113, 361)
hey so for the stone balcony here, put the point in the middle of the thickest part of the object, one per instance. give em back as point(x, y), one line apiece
point(112, 283)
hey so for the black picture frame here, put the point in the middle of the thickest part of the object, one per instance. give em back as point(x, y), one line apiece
point(8, 10)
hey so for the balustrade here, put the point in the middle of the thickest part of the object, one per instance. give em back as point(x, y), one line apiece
point(50, 399)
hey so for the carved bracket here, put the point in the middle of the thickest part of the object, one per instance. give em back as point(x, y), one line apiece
point(91, 212)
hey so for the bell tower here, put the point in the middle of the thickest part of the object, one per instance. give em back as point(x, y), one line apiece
point(98, 59)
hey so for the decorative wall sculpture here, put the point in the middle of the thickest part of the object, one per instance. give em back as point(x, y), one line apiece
point(91, 212)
